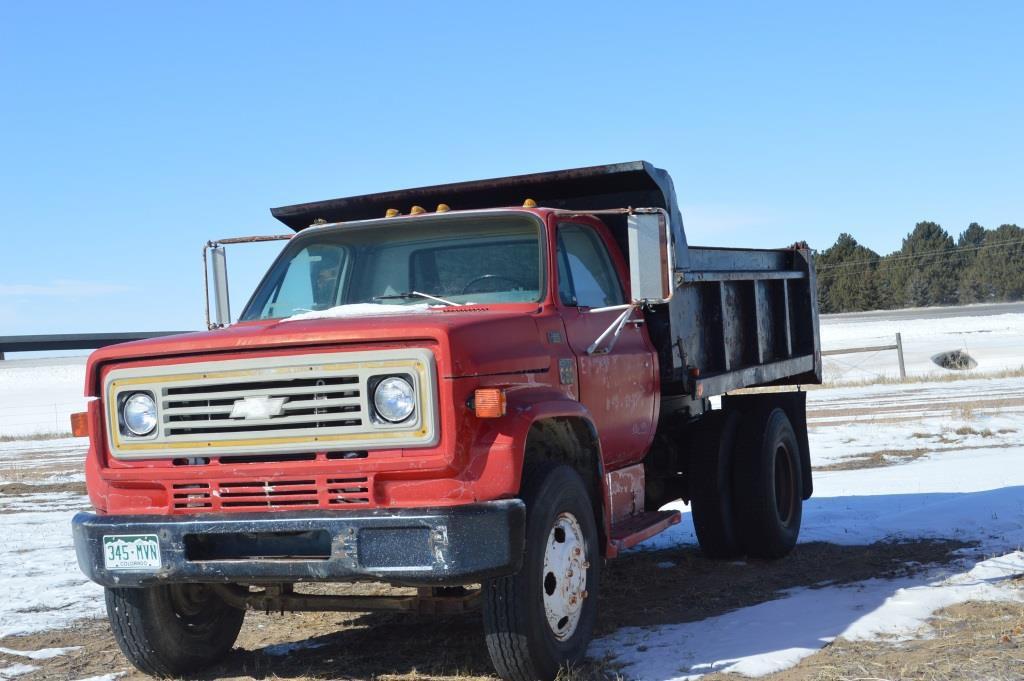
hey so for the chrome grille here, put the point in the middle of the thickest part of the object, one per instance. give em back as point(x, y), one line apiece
point(326, 402)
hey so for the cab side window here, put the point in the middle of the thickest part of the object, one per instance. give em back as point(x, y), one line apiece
point(586, 277)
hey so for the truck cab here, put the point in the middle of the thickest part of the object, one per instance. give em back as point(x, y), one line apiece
point(466, 401)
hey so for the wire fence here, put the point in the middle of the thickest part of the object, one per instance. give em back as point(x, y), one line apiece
point(871, 353)
point(51, 417)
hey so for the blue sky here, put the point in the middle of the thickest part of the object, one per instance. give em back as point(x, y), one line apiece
point(130, 133)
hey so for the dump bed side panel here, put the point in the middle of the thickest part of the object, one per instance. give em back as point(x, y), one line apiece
point(741, 318)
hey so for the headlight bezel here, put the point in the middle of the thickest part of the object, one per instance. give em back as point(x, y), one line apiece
point(122, 419)
point(379, 418)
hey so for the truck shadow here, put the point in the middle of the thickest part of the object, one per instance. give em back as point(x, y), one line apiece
point(669, 586)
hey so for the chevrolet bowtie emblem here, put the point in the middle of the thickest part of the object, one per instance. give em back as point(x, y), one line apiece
point(258, 407)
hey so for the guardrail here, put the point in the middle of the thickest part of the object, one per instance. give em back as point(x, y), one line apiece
point(898, 347)
point(74, 341)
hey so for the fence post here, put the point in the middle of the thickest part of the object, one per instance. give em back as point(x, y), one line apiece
point(899, 354)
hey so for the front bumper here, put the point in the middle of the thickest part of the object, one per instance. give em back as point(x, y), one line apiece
point(436, 546)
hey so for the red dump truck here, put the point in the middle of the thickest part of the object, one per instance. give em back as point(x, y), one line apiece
point(485, 400)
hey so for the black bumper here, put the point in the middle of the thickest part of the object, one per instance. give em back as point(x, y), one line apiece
point(435, 546)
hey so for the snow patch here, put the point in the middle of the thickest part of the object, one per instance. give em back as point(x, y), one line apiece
point(42, 654)
point(772, 636)
point(359, 310)
point(16, 670)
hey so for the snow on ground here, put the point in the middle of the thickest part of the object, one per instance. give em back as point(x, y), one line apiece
point(43, 654)
point(994, 341)
point(776, 635)
point(44, 587)
point(966, 483)
point(15, 670)
point(39, 395)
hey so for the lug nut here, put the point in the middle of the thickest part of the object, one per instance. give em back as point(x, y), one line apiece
point(586, 565)
point(584, 594)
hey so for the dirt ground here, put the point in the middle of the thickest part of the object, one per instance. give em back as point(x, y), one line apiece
point(974, 640)
point(636, 591)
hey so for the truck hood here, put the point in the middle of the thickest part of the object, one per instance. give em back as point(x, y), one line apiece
point(469, 341)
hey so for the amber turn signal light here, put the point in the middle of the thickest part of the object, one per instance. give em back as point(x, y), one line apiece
point(80, 424)
point(489, 403)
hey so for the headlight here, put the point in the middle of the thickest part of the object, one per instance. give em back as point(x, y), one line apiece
point(394, 399)
point(139, 414)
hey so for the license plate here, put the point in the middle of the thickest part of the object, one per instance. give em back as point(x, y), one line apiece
point(131, 552)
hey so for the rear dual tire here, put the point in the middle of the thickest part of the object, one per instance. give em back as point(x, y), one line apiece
point(767, 485)
point(746, 485)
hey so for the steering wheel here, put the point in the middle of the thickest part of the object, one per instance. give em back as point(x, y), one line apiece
point(485, 277)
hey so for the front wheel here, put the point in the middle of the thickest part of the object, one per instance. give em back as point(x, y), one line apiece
point(172, 630)
point(542, 618)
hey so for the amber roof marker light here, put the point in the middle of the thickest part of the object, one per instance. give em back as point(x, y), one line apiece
point(529, 203)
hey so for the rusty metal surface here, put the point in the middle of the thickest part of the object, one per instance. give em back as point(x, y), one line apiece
point(625, 492)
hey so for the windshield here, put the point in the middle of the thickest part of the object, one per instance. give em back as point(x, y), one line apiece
point(462, 260)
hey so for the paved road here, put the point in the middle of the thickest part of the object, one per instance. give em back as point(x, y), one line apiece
point(928, 313)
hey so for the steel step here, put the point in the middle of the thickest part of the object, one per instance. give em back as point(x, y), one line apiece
point(633, 530)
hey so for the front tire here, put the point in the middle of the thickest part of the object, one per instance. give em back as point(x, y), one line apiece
point(172, 630)
point(542, 618)
point(768, 484)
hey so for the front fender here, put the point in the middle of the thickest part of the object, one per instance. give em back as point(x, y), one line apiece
point(497, 448)
point(496, 458)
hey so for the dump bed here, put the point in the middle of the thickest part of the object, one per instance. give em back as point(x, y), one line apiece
point(738, 317)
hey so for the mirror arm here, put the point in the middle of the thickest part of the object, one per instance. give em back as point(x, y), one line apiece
point(212, 245)
point(615, 328)
point(206, 283)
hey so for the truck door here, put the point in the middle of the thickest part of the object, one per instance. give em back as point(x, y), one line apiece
point(618, 387)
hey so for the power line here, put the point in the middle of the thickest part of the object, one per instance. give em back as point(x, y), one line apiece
point(910, 256)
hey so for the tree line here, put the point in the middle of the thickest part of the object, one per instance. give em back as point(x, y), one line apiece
point(932, 268)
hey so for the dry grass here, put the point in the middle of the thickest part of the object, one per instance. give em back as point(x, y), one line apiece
point(967, 430)
point(878, 459)
point(934, 377)
point(964, 411)
point(974, 640)
point(34, 437)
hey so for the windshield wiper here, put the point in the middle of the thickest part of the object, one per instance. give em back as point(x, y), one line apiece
point(415, 294)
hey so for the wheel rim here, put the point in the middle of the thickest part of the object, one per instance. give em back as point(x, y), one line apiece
point(190, 603)
point(564, 576)
point(784, 481)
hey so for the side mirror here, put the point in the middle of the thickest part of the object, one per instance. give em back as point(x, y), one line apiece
point(650, 256)
point(221, 298)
